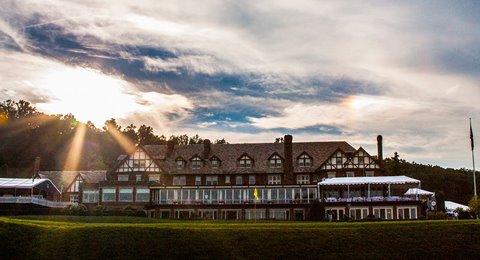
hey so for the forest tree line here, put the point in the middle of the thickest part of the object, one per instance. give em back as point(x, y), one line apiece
point(26, 133)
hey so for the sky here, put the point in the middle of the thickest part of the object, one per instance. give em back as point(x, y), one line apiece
point(251, 71)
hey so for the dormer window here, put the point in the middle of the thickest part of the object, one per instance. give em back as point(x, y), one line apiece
point(196, 162)
point(180, 163)
point(304, 160)
point(275, 161)
point(215, 162)
point(245, 162)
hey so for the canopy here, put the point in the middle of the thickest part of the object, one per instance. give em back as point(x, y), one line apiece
point(19, 183)
point(369, 180)
point(417, 191)
point(450, 206)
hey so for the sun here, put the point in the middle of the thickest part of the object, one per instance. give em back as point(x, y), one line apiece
point(86, 93)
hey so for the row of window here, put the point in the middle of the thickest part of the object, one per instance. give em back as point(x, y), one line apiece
point(110, 195)
point(245, 162)
point(233, 196)
point(350, 174)
point(213, 180)
point(357, 213)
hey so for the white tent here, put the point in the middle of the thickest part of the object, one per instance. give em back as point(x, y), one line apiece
point(450, 206)
point(417, 191)
point(369, 180)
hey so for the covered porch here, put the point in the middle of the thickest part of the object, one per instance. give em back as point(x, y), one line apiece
point(367, 189)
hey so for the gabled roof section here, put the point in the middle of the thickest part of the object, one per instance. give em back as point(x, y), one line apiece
point(125, 164)
point(337, 160)
point(66, 178)
point(361, 159)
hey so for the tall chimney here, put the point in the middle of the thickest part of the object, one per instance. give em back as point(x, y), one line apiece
point(170, 146)
point(288, 164)
point(380, 150)
point(206, 148)
point(36, 167)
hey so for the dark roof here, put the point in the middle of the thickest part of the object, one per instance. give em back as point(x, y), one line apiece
point(65, 178)
point(229, 154)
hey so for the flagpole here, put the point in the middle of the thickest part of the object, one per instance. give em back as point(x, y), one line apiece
point(473, 161)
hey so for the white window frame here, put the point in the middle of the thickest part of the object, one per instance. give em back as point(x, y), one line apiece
point(303, 179)
point(245, 162)
point(275, 161)
point(180, 163)
point(275, 179)
point(90, 196)
point(122, 177)
point(211, 180)
point(140, 195)
point(388, 212)
point(410, 213)
point(155, 178)
point(364, 212)
point(180, 180)
point(227, 179)
point(239, 180)
point(104, 192)
point(125, 191)
point(196, 163)
point(251, 180)
point(303, 159)
point(198, 180)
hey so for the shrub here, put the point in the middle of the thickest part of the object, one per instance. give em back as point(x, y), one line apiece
point(76, 210)
point(437, 215)
point(100, 210)
point(474, 205)
point(128, 211)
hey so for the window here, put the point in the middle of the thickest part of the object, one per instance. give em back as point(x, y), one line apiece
point(383, 213)
point(215, 163)
point(251, 180)
point(155, 178)
point(406, 212)
point(138, 177)
point(239, 180)
point(198, 180)
point(358, 213)
point(275, 161)
point(274, 179)
point(245, 162)
point(180, 163)
point(369, 174)
point(211, 180)
point(74, 198)
point(76, 185)
point(304, 161)
point(126, 194)
point(108, 194)
point(143, 195)
point(331, 174)
point(90, 196)
point(122, 177)
point(350, 174)
point(138, 161)
point(179, 180)
point(303, 179)
point(196, 162)
point(227, 179)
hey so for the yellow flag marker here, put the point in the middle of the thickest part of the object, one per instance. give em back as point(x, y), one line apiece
point(255, 193)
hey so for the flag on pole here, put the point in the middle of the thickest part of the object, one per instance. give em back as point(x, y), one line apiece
point(471, 135)
point(255, 193)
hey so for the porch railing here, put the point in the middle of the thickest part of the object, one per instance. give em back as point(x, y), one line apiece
point(370, 199)
point(35, 200)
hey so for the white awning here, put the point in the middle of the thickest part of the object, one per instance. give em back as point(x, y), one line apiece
point(19, 183)
point(417, 191)
point(450, 206)
point(369, 180)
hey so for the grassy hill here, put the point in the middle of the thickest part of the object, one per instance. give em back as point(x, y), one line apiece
point(126, 237)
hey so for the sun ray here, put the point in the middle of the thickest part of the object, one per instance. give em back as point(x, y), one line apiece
point(76, 146)
point(121, 139)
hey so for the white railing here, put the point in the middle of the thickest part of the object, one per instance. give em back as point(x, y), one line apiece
point(35, 200)
point(369, 199)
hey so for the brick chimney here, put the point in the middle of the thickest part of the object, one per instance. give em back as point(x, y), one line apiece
point(288, 177)
point(170, 146)
point(206, 148)
point(36, 167)
point(380, 150)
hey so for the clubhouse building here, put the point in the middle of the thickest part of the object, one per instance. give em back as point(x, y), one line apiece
point(288, 181)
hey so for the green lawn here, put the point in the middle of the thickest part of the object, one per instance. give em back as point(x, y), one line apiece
point(128, 237)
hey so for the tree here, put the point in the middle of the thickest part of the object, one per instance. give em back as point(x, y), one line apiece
point(221, 141)
point(474, 205)
point(129, 132)
point(279, 140)
point(195, 140)
point(111, 124)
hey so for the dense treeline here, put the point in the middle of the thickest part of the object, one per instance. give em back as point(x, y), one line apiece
point(448, 184)
point(26, 133)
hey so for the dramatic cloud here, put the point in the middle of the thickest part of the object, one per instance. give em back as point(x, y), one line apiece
point(253, 71)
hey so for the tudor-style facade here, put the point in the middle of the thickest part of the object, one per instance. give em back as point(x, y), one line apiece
point(217, 181)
